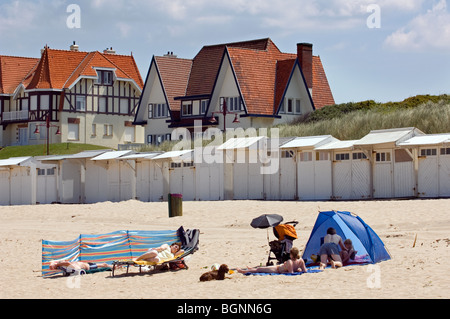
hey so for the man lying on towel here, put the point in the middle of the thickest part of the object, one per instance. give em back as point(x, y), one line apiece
point(77, 265)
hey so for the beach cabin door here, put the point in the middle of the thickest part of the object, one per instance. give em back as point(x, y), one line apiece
point(404, 177)
point(143, 181)
point(342, 176)
point(46, 192)
point(428, 174)
point(360, 176)
point(382, 176)
point(288, 175)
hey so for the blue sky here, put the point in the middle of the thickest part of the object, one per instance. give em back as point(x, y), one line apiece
point(385, 50)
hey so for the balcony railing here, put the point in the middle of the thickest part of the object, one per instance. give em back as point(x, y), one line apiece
point(15, 116)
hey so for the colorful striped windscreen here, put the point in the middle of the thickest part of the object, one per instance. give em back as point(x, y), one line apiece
point(122, 244)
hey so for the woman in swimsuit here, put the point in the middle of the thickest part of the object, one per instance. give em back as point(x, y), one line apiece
point(292, 265)
point(163, 252)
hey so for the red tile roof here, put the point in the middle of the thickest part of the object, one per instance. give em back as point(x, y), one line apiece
point(321, 92)
point(59, 69)
point(206, 64)
point(261, 69)
point(262, 72)
point(14, 71)
point(174, 85)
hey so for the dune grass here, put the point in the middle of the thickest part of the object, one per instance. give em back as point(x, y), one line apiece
point(430, 117)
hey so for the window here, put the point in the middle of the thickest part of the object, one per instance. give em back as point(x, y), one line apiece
point(188, 164)
point(41, 171)
point(322, 156)
point(159, 110)
point(24, 104)
point(104, 77)
point(306, 156)
point(175, 165)
point(187, 108)
point(383, 157)
point(150, 111)
point(428, 152)
point(45, 102)
point(298, 109)
point(81, 103)
point(102, 104)
point(123, 107)
point(94, 130)
point(233, 104)
point(51, 171)
point(287, 154)
point(73, 132)
point(33, 102)
point(445, 151)
point(149, 139)
point(290, 106)
point(359, 155)
point(203, 106)
point(107, 130)
point(342, 157)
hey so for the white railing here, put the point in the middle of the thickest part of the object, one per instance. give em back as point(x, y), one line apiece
point(15, 116)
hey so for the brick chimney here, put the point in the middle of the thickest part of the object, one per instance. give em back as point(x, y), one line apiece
point(304, 55)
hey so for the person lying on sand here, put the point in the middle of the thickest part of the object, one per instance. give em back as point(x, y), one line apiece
point(294, 264)
point(77, 265)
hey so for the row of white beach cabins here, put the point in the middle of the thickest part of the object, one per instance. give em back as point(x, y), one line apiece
point(393, 163)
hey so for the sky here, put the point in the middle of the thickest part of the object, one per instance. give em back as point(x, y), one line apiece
point(383, 50)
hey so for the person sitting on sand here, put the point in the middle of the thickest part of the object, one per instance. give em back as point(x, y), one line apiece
point(162, 252)
point(330, 249)
point(294, 264)
point(349, 254)
point(77, 265)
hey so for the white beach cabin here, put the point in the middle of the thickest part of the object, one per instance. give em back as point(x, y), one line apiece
point(392, 166)
point(18, 181)
point(71, 177)
point(110, 179)
point(242, 167)
point(177, 172)
point(148, 176)
point(313, 166)
point(432, 153)
point(350, 171)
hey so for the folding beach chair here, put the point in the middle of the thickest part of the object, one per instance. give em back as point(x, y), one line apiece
point(189, 244)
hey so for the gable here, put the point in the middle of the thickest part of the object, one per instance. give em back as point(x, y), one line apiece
point(14, 71)
point(59, 69)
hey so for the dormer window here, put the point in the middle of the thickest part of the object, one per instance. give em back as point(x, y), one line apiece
point(104, 77)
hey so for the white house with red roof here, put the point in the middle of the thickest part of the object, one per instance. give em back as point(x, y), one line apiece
point(81, 97)
point(258, 85)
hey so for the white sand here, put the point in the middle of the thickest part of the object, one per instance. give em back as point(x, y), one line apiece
point(227, 237)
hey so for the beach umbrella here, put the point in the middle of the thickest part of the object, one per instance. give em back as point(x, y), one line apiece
point(266, 220)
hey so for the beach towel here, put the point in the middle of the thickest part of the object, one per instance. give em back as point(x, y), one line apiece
point(309, 271)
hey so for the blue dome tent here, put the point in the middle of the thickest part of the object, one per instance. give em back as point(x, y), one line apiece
point(365, 241)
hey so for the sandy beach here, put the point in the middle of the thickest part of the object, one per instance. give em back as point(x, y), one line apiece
point(226, 236)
